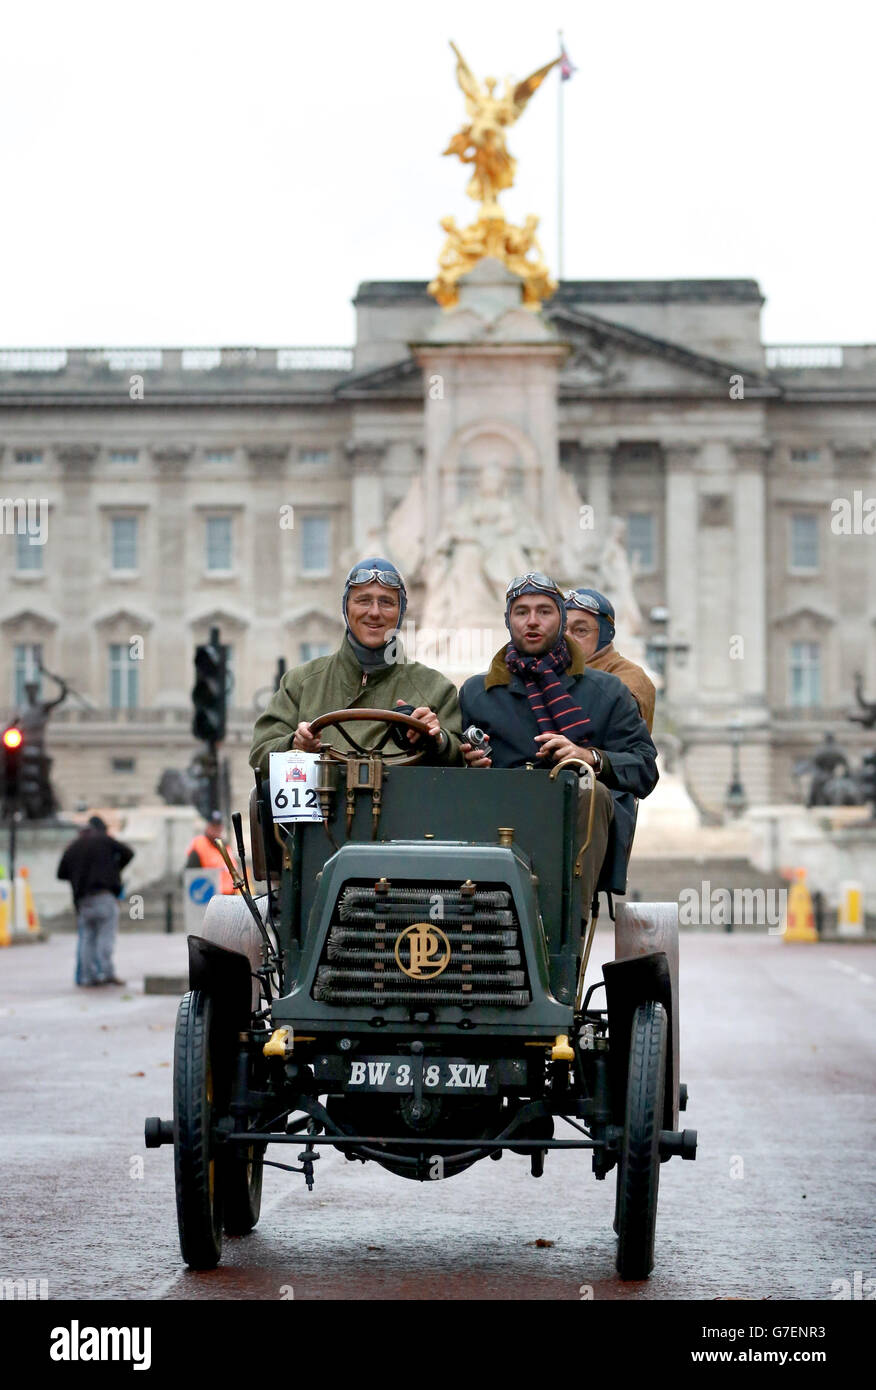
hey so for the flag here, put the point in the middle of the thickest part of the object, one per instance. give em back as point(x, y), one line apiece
point(567, 67)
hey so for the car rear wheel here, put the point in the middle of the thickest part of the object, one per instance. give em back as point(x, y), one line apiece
point(197, 1171)
point(639, 1168)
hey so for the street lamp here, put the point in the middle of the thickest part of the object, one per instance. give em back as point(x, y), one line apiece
point(660, 646)
point(735, 800)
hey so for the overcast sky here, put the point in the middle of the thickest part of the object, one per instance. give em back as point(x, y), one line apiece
point(192, 173)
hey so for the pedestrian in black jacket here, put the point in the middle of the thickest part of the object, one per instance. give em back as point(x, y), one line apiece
point(539, 703)
point(93, 865)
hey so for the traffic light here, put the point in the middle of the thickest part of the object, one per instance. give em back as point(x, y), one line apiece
point(13, 740)
point(33, 782)
point(867, 778)
point(208, 695)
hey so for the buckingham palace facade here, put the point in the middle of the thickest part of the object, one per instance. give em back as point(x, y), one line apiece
point(149, 495)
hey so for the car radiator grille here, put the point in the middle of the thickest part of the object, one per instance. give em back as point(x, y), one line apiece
point(472, 933)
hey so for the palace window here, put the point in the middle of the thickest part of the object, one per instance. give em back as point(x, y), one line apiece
point(640, 539)
point(804, 674)
point(219, 548)
point(28, 456)
point(123, 542)
point(317, 456)
point(124, 455)
point(28, 554)
point(219, 455)
point(804, 542)
point(310, 650)
point(27, 658)
point(124, 677)
point(805, 455)
point(315, 545)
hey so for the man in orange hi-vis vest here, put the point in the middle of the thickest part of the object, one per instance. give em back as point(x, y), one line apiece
point(202, 853)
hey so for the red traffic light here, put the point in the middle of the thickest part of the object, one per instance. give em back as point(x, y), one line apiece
point(12, 738)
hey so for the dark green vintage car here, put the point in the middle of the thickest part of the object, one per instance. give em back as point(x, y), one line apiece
point(410, 989)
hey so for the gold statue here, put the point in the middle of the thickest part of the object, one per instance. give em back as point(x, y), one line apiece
point(482, 143)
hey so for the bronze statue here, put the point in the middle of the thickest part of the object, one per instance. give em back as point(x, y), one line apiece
point(832, 783)
point(868, 718)
point(32, 720)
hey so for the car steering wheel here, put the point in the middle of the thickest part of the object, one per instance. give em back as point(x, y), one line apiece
point(338, 717)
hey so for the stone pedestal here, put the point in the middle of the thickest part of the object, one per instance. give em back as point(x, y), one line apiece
point(490, 488)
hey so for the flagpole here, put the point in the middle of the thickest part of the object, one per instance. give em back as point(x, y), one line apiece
point(560, 164)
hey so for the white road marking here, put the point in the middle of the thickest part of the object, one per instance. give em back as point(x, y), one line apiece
point(851, 970)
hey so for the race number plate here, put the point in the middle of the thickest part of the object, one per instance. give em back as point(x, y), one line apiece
point(293, 786)
point(441, 1075)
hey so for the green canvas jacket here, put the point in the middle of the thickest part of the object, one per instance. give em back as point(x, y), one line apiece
point(338, 682)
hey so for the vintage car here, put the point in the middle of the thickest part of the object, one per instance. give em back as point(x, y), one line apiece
point(410, 990)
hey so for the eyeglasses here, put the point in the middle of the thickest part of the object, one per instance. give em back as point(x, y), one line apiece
point(588, 603)
point(542, 582)
point(387, 577)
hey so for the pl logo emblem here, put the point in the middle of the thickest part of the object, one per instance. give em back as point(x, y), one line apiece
point(428, 951)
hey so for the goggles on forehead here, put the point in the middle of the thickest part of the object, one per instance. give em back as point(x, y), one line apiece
point(588, 603)
point(387, 577)
point(536, 580)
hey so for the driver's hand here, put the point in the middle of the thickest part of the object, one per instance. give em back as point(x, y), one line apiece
point(429, 718)
point(475, 757)
point(557, 746)
point(305, 740)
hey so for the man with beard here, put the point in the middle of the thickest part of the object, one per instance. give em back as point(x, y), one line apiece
point(540, 702)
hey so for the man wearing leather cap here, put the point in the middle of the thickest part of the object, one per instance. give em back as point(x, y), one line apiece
point(590, 623)
point(539, 703)
point(368, 671)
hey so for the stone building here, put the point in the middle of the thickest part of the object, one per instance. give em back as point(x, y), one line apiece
point(148, 495)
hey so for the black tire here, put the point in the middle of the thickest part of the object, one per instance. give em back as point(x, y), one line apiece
point(243, 1168)
point(242, 1189)
point(639, 1168)
point(198, 1174)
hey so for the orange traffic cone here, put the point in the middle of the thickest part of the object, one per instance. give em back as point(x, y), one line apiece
point(5, 911)
point(799, 917)
point(26, 916)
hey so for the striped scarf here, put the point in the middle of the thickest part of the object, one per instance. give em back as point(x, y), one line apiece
point(554, 709)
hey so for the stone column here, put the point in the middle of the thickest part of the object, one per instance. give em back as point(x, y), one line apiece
point(855, 468)
point(599, 459)
point(75, 552)
point(750, 577)
point(271, 566)
point(273, 545)
point(178, 533)
point(682, 520)
point(366, 494)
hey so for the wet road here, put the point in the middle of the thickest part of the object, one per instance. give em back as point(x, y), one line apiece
point(778, 1050)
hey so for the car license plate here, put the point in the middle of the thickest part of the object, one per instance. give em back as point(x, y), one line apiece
point(440, 1075)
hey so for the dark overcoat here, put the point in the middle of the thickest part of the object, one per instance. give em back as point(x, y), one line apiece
point(497, 702)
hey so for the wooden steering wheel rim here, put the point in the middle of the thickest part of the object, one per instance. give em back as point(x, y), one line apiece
point(337, 717)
